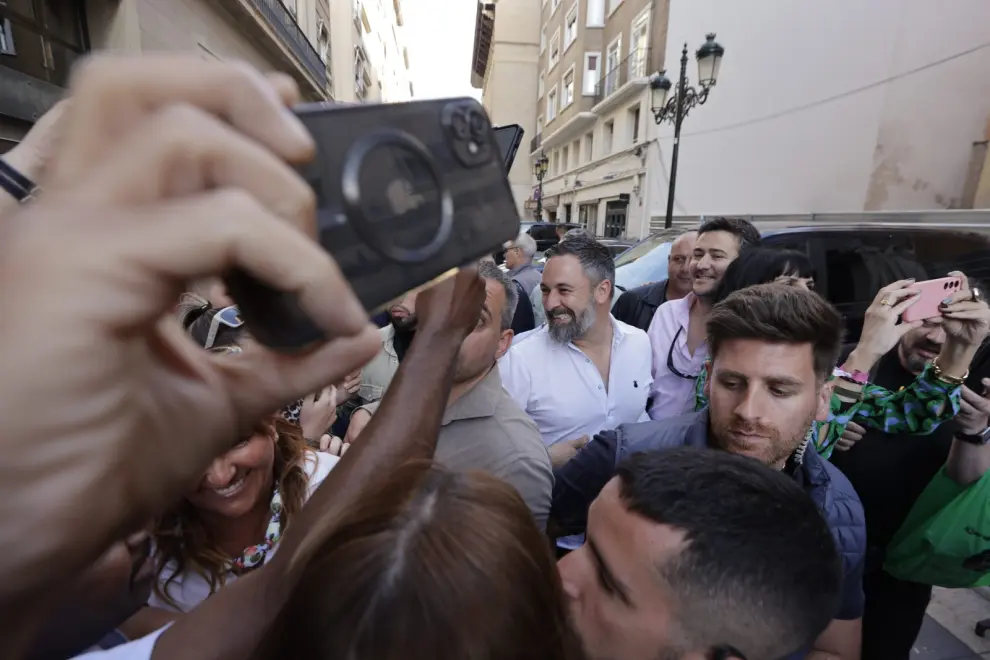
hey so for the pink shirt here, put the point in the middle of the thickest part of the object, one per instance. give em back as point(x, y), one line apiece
point(673, 394)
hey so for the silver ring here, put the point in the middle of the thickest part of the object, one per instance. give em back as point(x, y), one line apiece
point(977, 296)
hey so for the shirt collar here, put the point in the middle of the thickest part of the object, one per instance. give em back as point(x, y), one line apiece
point(388, 341)
point(479, 401)
point(518, 269)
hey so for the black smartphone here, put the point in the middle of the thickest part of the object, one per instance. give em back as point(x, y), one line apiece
point(406, 193)
point(508, 138)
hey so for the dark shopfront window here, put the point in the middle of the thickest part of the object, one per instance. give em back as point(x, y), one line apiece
point(42, 38)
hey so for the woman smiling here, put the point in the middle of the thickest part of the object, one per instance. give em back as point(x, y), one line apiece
point(232, 520)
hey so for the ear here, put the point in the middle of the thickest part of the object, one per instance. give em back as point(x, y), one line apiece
point(824, 401)
point(708, 379)
point(504, 343)
point(603, 292)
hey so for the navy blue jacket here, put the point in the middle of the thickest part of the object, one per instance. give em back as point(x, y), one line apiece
point(578, 482)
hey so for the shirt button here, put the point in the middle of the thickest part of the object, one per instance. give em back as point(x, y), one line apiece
point(588, 360)
point(599, 387)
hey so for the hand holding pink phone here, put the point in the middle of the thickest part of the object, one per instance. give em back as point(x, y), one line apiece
point(932, 293)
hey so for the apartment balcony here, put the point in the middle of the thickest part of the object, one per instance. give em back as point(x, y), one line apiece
point(270, 25)
point(535, 143)
point(484, 29)
point(622, 82)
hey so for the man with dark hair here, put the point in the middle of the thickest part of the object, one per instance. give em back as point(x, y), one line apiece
point(483, 429)
point(583, 371)
point(773, 347)
point(637, 306)
point(677, 331)
point(692, 551)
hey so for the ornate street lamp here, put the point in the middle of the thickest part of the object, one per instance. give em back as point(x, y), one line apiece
point(540, 170)
point(674, 109)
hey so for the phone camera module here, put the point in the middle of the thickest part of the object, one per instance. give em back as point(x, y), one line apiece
point(468, 134)
point(479, 125)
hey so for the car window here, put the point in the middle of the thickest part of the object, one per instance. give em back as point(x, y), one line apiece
point(640, 249)
point(649, 267)
point(858, 265)
point(543, 232)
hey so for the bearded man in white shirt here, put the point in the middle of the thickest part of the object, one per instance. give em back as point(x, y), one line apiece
point(583, 371)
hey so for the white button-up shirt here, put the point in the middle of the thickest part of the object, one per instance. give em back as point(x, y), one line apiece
point(561, 389)
point(673, 394)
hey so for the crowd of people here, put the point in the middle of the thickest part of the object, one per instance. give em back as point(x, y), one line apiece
point(701, 471)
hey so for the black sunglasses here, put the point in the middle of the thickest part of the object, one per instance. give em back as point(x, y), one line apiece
point(670, 358)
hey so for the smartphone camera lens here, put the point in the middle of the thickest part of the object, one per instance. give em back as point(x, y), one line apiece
point(460, 125)
point(479, 125)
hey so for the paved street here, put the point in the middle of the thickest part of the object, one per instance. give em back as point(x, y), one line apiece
point(948, 630)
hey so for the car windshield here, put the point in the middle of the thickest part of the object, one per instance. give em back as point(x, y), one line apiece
point(644, 262)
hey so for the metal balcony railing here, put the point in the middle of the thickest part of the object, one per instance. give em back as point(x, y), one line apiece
point(535, 143)
point(288, 30)
point(631, 68)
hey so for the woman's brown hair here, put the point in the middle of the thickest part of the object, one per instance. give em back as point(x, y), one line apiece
point(430, 564)
point(182, 538)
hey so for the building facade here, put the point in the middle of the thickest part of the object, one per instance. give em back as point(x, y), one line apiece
point(816, 113)
point(374, 58)
point(315, 41)
point(505, 66)
point(596, 57)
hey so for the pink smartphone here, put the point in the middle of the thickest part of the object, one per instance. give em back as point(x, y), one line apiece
point(933, 292)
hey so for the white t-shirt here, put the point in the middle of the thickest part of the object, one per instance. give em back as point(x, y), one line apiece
point(140, 649)
point(190, 589)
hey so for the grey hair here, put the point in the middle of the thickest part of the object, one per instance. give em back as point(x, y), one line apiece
point(490, 271)
point(594, 257)
point(575, 233)
point(526, 244)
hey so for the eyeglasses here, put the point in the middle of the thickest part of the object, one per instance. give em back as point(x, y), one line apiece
point(228, 316)
point(670, 358)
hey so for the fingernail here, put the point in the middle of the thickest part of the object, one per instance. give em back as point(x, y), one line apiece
point(299, 129)
point(947, 301)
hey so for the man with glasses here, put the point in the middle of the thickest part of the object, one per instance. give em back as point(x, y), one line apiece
point(519, 260)
point(677, 332)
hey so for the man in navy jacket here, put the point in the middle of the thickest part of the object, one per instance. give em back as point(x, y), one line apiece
point(773, 347)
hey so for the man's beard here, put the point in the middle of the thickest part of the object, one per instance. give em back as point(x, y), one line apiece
point(914, 362)
point(772, 451)
point(576, 328)
point(404, 323)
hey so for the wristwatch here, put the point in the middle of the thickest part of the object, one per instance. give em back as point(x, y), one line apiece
point(980, 439)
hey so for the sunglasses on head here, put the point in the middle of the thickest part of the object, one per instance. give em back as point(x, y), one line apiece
point(229, 317)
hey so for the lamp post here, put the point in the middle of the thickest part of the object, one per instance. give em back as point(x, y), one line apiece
point(540, 170)
point(685, 97)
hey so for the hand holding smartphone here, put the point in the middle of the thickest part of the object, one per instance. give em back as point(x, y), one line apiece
point(406, 193)
point(930, 297)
